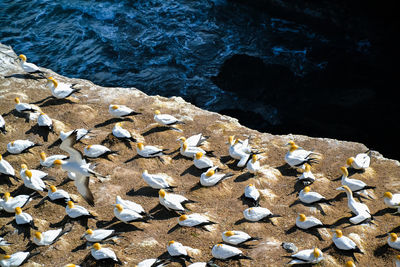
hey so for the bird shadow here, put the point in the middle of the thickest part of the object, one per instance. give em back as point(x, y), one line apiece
point(132, 159)
point(111, 121)
point(55, 101)
point(313, 232)
point(243, 177)
point(341, 221)
point(197, 186)
point(160, 213)
point(173, 229)
point(249, 202)
point(166, 256)
point(157, 129)
point(41, 131)
point(5, 180)
point(83, 221)
point(287, 170)
point(312, 205)
point(337, 179)
point(384, 211)
point(382, 251)
point(17, 114)
point(42, 100)
point(192, 170)
point(394, 230)
point(25, 76)
point(146, 191)
point(122, 227)
point(80, 247)
point(179, 156)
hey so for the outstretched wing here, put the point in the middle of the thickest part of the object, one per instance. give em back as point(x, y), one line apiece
point(67, 146)
point(82, 185)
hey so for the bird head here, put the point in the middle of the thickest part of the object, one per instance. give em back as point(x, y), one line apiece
point(398, 257)
point(53, 81)
point(12, 143)
point(119, 207)
point(388, 195)
point(157, 112)
point(344, 188)
point(24, 167)
point(53, 188)
point(307, 189)
point(38, 235)
point(219, 245)
point(183, 217)
point(338, 233)
point(302, 217)
point(230, 139)
point(97, 246)
point(28, 173)
point(393, 237)
point(22, 57)
point(18, 210)
point(292, 145)
point(114, 107)
point(57, 162)
point(210, 173)
point(349, 161)
point(118, 124)
point(70, 204)
point(145, 172)
point(316, 253)
point(89, 231)
point(254, 158)
point(250, 185)
point(199, 155)
point(70, 265)
point(182, 139)
point(307, 167)
point(171, 242)
point(344, 171)
point(229, 233)
point(16, 100)
point(161, 193)
point(43, 156)
point(140, 146)
point(7, 196)
point(350, 264)
point(184, 146)
point(1, 157)
point(5, 257)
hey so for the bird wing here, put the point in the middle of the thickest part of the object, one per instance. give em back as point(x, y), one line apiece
point(82, 185)
point(67, 146)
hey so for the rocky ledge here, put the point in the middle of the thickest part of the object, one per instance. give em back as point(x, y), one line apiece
point(221, 203)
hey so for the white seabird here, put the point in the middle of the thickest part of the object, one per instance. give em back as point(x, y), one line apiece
point(60, 90)
point(344, 243)
point(20, 146)
point(95, 151)
point(211, 178)
point(256, 214)
point(98, 235)
point(6, 169)
point(32, 181)
point(75, 211)
point(127, 215)
point(190, 151)
point(194, 220)
point(166, 119)
point(253, 165)
point(226, 252)
point(25, 107)
point(130, 205)
point(80, 134)
point(173, 202)
point(392, 200)
point(194, 140)
point(237, 238)
point(55, 194)
point(100, 253)
point(29, 68)
point(16, 259)
point(307, 256)
point(122, 133)
point(23, 218)
point(2, 125)
point(297, 156)
point(307, 177)
point(149, 151)
point(393, 241)
point(359, 162)
point(354, 184)
point(201, 162)
point(308, 197)
point(9, 203)
point(44, 121)
point(307, 222)
point(49, 161)
point(120, 111)
point(176, 249)
point(252, 193)
point(158, 180)
point(361, 210)
point(49, 237)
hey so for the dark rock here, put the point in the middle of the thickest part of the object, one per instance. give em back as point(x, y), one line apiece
point(289, 247)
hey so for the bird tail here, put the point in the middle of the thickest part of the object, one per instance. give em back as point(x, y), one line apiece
point(133, 113)
point(241, 256)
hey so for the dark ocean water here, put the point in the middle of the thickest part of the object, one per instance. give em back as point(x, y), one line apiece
point(160, 47)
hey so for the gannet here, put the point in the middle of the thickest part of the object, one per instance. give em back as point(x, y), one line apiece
point(177, 250)
point(359, 162)
point(152, 263)
point(2, 125)
point(4, 243)
point(24, 107)
point(60, 90)
point(226, 252)
point(354, 184)
point(80, 134)
point(10, 203)
point(95, 151)
point(44, 121)
point(49, 237)
point(256, 214)
point(238, 149)
point(158, 180)
point(127, 204)
point(166, 119)
point(23, 218)
point(75, 211)
point(190, 151)
point(194, 220)
point(20, 146)
point(173, 201)
point(237, 238)
point(344, 243)
point(392, 200)
point(149, 151)
point(194, 140)
point(35, 173)
point(308, 197)
point(251, 192)
point(211, 178)
point(98, 235)
point(350, 264)
point(6, 169)
point(307, 222)
point(58, 194)
point(100, 253)
point(127, 215)
point(359, 209)
point(393, 241)
point(307, 177)
point(397, 261)
point(253, 165)
point(297, 156)
point(312, 256)
point(77, 165)
point(122, 133)
point(120, 111)
point(29, 68)
point(49, 161)
point(16, 259)
point(202, 162)
point(32, 179)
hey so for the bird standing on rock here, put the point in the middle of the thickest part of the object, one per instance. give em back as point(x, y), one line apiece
point(60, 90)
point(297, 156)
point(120, 111)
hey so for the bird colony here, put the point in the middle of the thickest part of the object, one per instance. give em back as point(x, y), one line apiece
point(96, 176)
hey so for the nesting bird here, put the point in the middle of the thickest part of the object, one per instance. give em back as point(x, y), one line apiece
point(178, 251)
point(33, 178)
point(172, 201)
point(393, 241)
point(98, 235)
point(211, 178)
point(6, 169)
point(49, 237)
point(392, 200)
point(100, 253)
point(190, 151)
point(127, 215)
point(122, 133)
point(20, 146)
point(96, 151)
point(16, 259)
point(201, 162)
point(252, 193)
point(253, 165)
point(344, 243)
point(194, 220)
point(158, 180)
point(354, 184)
point(60, 90)
point(307, 177)
point(307, 222)
point(149, 151)
point(307, 256)
point(28, 67)
point(77, 211)
point(297, 156)
point(23, 218)
point(45, 122)
point(227, 252)
point(237, 238)
point(194, 140)
point(120, 111)
point(166, 119)
point(308, 197)
point(256, 214)
point(49, 161)
point(130, 205)
point(24, 108)
point(360, 161)
point(9, 203)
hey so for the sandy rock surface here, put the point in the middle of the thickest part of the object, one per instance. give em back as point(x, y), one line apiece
point(220, 203)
